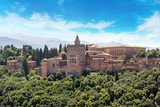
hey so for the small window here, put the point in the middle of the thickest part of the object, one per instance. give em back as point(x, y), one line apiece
point(53, 65)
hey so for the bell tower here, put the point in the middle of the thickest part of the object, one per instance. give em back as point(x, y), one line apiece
point(77, 41)
point(75, 58)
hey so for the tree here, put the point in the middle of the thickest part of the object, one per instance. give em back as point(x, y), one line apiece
point(116, 76)
point(60, 48)
point(1, 50)
point(10, 52)
point(33, 55)
point(123, 69)
point(24, 50)
point(55, 52)
point(140, 53)
point(51, 77)
point(45, 53)
point(86, 72)
point(32, 73)
point(41, 54)
point(157, 98)
point(131, 62)
point(7, 47)
point(18, 52)
point(120, 58)
point(13, 47)
point(25, 65)
point(108, 71)
point(152, 53)
point(30, 58)
point(65, 48)
point(59, 75)
point(64, 57)
point(37, 57)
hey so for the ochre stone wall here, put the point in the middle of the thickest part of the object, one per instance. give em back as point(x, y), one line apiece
point(97, 58)
point(76, 58)
point(16, 64)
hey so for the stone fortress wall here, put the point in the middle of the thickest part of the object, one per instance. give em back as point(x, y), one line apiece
point(97, 58)
point(16, 64)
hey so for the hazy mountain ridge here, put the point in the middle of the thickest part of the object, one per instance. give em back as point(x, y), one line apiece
point(50, 43)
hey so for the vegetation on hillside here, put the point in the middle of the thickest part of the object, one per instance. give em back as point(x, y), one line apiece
point(10, 52)
point(138, 89)
point(24, 88)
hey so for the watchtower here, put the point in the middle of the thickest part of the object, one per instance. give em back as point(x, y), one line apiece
point(75, 58)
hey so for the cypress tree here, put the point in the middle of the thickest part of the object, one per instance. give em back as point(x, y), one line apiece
point(116, 76)
point(55, 52)
point(37, 57)
point(65, 48)
point(51, 53)
point(24, 50)
point(25, 65)
point(1, 51)
point(41, 54)
point(60, 48)
point(18, 52)
point(45, 54)
point(33, 55)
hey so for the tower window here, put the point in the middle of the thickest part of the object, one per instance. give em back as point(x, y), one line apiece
point(53, 65)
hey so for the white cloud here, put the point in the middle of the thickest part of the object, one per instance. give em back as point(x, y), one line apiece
point(15, 5)
point(151, 24)
point(151, 2)
point(22, 9)
point(18, 6)
point(44, 25)
point(60, 2)
point(101, 25)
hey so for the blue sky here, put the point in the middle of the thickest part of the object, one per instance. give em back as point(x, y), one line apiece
point(133, 22)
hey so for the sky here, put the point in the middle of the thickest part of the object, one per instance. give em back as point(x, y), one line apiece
point(132, 22)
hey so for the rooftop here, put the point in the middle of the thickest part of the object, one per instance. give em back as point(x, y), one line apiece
point(121, 46)
point(105, 54)
point(92, 46)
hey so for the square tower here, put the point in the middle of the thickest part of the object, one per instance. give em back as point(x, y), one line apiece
point(75, 58)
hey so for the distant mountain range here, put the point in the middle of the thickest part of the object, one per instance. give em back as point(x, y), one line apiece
point(50, 43)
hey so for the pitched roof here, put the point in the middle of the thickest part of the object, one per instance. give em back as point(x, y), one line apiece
point(120, 46)
point(94, 46)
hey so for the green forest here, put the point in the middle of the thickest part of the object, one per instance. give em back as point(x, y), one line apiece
point(94, 89)
point(23, 88)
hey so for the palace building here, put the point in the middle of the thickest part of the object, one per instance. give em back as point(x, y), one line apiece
point(16, 64)
point(97, 58)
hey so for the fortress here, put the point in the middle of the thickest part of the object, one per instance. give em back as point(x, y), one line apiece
point(16, 64)
point(97, 58)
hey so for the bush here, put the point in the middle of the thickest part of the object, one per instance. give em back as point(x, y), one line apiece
point(32, 73)
point(17, 74)
point(86, 72)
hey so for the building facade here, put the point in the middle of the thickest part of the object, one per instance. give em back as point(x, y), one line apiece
point(97, 58)
point(16, 64)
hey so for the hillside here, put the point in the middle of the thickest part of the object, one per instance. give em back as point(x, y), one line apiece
point(138, 89)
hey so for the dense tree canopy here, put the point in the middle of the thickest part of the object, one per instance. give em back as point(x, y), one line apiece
point(12, 52)
point(141, 53)
point(138, 89)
